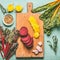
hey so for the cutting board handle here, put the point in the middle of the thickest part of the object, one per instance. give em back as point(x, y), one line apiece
point(29, 7)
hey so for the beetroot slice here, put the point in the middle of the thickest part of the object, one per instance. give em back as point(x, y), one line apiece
point(30, 46)
point(26, 39)
point(23, 31)
point(30, 43)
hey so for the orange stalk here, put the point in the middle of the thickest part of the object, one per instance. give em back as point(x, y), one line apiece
point(55, 12)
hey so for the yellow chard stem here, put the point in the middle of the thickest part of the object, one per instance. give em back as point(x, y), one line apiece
point(57, 0)
point(55, 12)
point(52, 3)
point(35, 26)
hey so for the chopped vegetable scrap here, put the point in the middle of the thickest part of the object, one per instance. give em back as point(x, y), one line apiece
point(38, 48)
point(50, 15)
point(40, 44)
point(36, 35)
point(35, 26)
point(25, 37)
point(35, 52)
point(54, 45)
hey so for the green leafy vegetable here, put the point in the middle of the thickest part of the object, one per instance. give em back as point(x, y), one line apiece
point(11, 35)
point(44, 7)
point(50, 16)
point(50, 9)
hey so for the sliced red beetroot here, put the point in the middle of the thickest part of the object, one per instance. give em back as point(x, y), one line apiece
point(23, 31)
point(30, 43)
point(26, 39)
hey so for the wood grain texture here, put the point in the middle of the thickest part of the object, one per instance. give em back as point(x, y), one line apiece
point(22, 20)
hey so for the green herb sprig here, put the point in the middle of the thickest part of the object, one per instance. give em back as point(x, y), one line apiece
point(3, 9)
point(54, 45)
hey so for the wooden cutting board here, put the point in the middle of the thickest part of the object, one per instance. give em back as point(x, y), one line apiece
point(22, 20)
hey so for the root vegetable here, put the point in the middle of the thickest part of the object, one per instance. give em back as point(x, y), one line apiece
point(23, 31)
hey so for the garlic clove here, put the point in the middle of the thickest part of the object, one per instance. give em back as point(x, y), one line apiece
point(40, 43)
point(39, 49)
point(35, 52)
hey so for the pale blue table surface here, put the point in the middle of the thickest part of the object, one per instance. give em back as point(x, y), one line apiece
point(48, 53)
